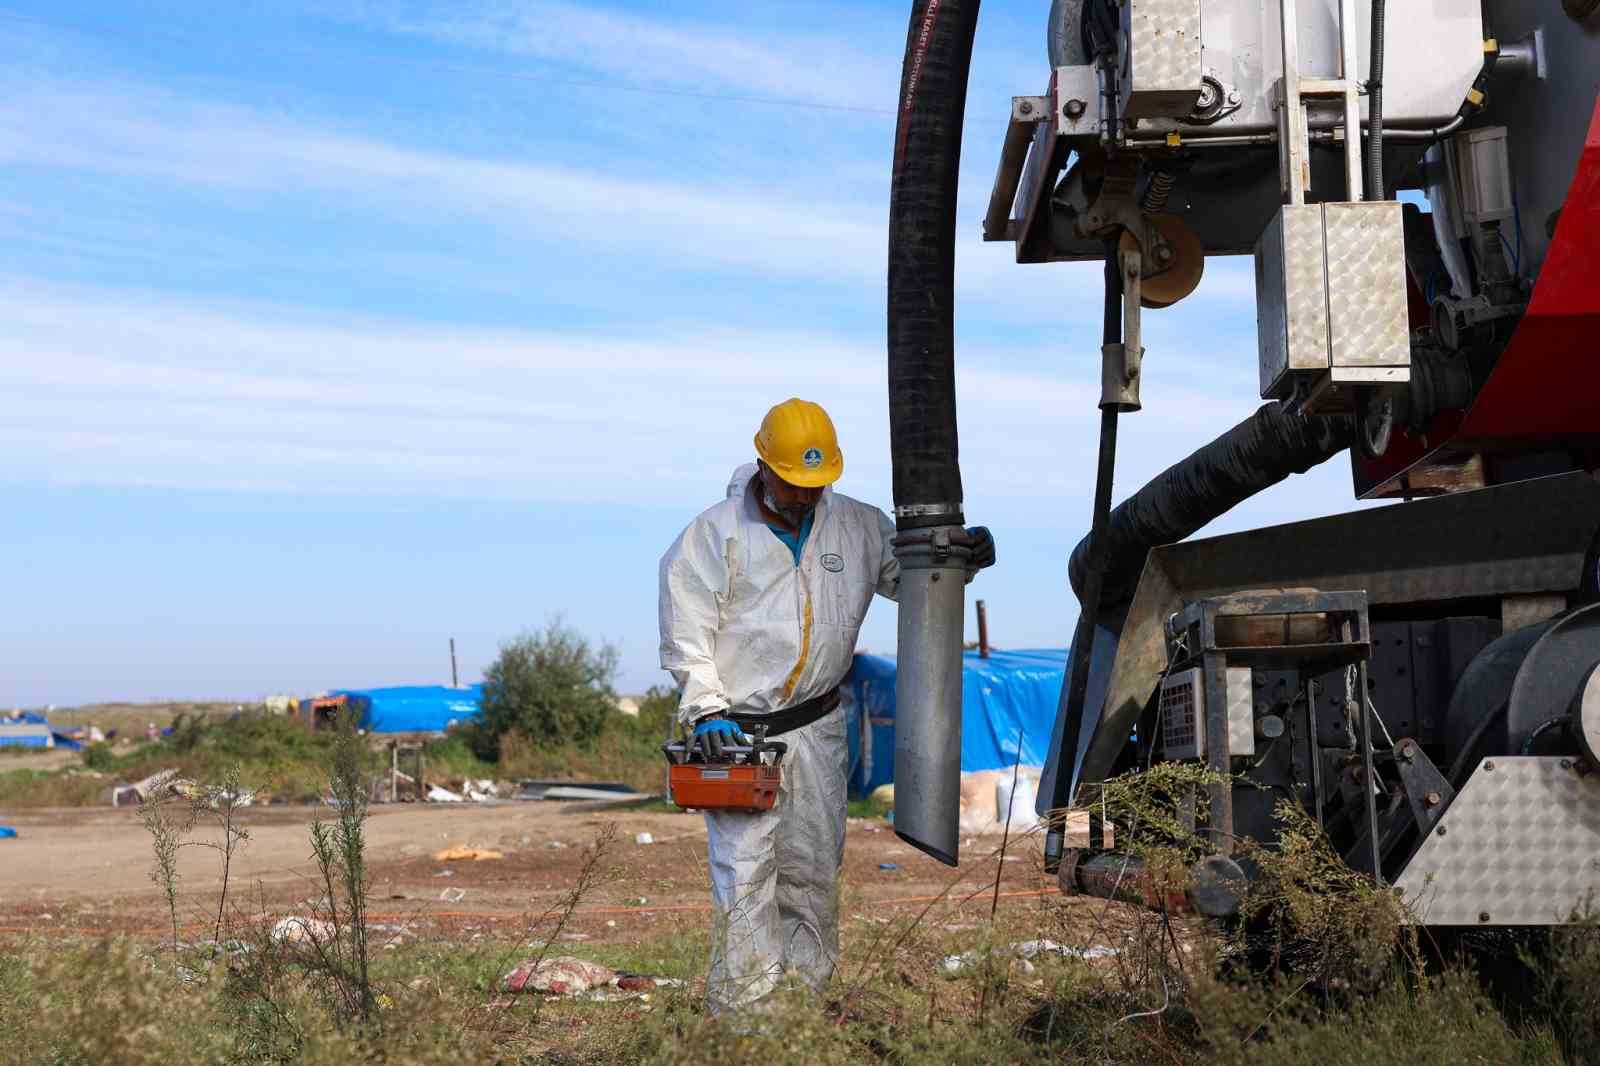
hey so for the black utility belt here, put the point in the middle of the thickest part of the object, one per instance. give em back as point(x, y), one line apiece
point(790, 718)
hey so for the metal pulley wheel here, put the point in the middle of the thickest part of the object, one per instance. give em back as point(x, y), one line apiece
point(1166, 282)
point(1556, 683)
point(1586, 719)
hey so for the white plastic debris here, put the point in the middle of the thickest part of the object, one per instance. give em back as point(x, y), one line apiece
point(643, 838)
point(297, 930)
point(453, 895)
point(1026, 951)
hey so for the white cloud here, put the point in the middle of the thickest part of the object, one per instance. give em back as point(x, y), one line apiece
point(106, 388)
point(644, 50)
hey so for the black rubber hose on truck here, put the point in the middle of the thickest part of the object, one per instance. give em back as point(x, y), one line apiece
point(1254, 455)
point(1374, 160)
point(930, 544)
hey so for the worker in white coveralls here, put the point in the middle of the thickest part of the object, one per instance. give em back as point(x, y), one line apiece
point(761, 600)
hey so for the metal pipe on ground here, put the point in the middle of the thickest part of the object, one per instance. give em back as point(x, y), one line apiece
point(931, 546)
point(1215, 885)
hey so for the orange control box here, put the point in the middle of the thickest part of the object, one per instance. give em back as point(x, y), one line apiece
point(723, 787)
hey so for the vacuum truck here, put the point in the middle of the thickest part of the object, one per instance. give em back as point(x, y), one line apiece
point(1418, 187)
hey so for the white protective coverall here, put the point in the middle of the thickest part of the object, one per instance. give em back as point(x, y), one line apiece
point(746, 630)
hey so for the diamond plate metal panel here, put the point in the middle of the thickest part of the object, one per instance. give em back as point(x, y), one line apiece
point(1241, 712)
point(1163, 58)
point(1291, 297)
point(1366, 272)
point(1519, 846)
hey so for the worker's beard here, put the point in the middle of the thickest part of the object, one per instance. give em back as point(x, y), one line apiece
point(793, 515)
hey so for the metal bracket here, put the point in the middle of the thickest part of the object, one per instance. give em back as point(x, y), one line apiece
point(1427, 790)
point(1120, 364)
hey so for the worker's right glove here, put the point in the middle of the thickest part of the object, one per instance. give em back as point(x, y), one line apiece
point(982, 547)
point(713, 735)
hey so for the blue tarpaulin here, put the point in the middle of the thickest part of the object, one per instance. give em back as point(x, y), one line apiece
point(413, 708)
point(1007, 693)
point(25, 730)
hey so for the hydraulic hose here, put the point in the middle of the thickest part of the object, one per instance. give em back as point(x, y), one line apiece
point(1256, 454)
point(1089, 594)
point(1374, 181)
point(922, 219)
point(931, 545)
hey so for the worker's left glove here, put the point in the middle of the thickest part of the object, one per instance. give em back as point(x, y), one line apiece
point(982, 547)
point(713, 735)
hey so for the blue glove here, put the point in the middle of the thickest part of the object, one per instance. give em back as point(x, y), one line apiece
point(982, 548)
point(713, 735)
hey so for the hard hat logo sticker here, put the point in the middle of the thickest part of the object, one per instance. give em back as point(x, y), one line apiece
point(812, 458)
point(832, 563)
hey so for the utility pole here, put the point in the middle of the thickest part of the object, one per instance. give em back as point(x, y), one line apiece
point(453, 682)
point(983, 629)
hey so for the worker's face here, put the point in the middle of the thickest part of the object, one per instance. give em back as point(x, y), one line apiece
point(790, 501)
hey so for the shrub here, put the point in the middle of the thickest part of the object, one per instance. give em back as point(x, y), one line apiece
point(99, 756)
point(552, 686)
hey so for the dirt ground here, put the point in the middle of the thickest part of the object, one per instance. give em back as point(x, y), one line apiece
point(83, 872)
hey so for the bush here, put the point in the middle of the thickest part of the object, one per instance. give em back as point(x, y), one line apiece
point(99, 756)
point(551, 686)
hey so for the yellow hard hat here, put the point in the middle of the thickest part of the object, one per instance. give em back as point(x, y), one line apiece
point(798, 442)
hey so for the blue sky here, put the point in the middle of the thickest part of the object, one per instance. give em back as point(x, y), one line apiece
point(333, 330)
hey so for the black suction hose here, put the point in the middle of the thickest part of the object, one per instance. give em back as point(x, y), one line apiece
point(922, 425)
point(1375, 107)
point(922, 220)
point(1090, 593)
point(1256, 454)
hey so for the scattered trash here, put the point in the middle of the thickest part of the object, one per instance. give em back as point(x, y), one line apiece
point(1024, 952)
point(565, 975)
point(442, 795)
point(463, 852)
point(888, 866)
point(555, 844)
point(611, 924)
point(573, 936)
point(297, 930)
point(7, 833)
point(480, 791)
point(446, 872)
point(569, 976)
point(638, 901)
point(643, 838)
point(883, 795)
point(157, 785)
point(47, 917)
point(1017, 803)
point(453, 895)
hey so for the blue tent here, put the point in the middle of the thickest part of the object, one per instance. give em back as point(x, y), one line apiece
point(413, 708)
point(1010, 692)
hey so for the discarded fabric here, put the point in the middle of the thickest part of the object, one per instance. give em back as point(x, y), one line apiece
point(569, 976)
point(565, 975)
point(7, 833)
point(462, 851)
